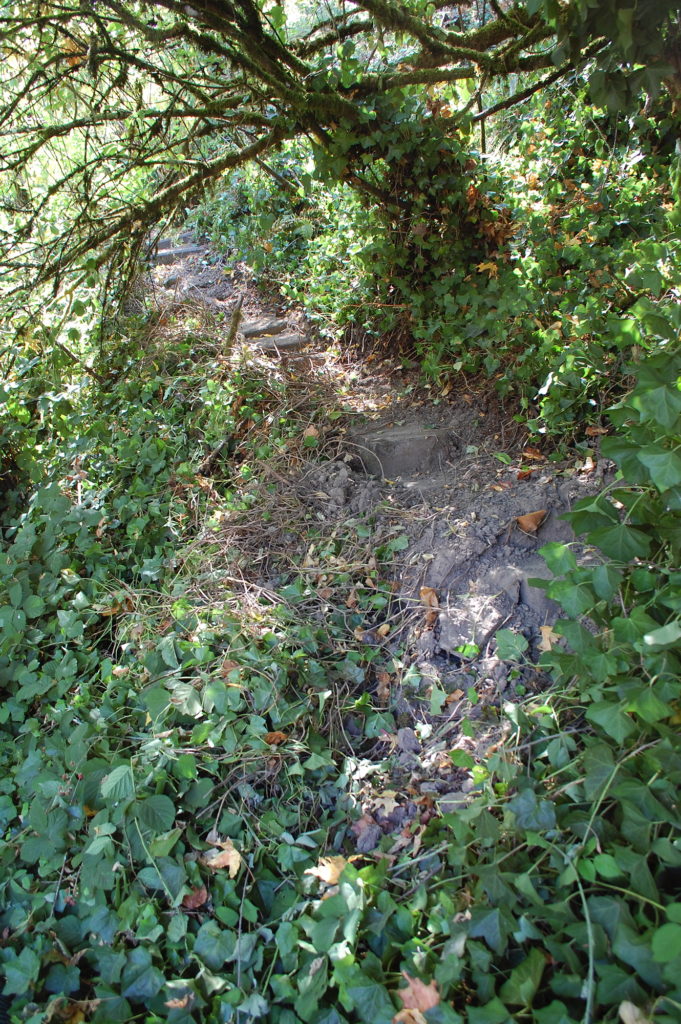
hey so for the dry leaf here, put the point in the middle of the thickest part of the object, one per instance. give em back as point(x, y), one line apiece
point(524, 474)
point(453, 696)
point(311, 432)
point(531, 521)
point(229, 858)
point(595, 431)
point(417, 995)
point(491, 268)
point(351, 599)
point(195, 898)
point(325, 593)
point(179, 1004)
point(629, 1013)
point(328, 870)
point(548, 639)
point(383, 629)
point(534, 453)
point(383, 688)
point(227, 667)
point(429, 597)
point(589, 465)
point(275, 738)
point(409, 1017)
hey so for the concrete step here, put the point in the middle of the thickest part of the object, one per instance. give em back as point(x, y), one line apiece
point(261, 326)
point(279, 343)
point(164, 257)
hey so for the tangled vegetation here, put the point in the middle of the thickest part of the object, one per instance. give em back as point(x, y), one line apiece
point(180, 797)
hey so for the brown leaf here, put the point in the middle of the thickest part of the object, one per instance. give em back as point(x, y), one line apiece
point(409, 1017)
point(531, 521)
point(383, 688)
point(229, 858)
point(275, 738)
point(351, 599)
point(534, 453)
point(383, 629)
point(453, 696)
point(524, 474)
point(548, 639)
point(328, 870)
point(429, 598)
point(311, 432)
point(630, 1013)
point(325, 593)
point(195, 898)
point(595, 431)
point(179, 1004)
point(417, 995)
point(227, 667)
point(589, 465)
point(491, 268)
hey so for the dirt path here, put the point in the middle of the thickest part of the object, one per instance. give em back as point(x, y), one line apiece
point(449, 486)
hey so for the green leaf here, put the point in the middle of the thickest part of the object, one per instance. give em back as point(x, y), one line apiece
point(33, 606)
point(21, 972)
point(213, 945)
point(119, 784)
point(558, 557)
point(621, 542)
point(667, 943)
point(492, 1013)
point(157, 813)
point(663, 465)
point(524, 980)
point(510, 645)
point(665, 636)
point(140, 980)
point(612, 720)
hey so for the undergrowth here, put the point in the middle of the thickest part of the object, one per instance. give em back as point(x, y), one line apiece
point(180, 797)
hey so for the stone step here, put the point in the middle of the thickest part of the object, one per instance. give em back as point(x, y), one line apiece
point(261, 326)
point(163, 257)
point(279, 343)
point(402, 451)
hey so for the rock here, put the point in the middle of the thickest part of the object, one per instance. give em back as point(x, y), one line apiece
point(408, 741)
point(368, 839)
point(172, 280)
point(401, 451)
point(450, 803)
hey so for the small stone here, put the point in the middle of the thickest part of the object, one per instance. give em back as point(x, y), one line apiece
point(408, 741)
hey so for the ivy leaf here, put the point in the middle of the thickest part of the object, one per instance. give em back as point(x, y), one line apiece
point(21, 972)
point(611, 719)
point(524, 980)
point(663, 465)
point(621, 542)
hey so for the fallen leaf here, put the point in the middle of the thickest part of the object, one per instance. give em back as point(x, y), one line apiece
point(328, 870)
point(595, 431)
point(311, 432)
point(531, 521)
point(589, 465)
point(179, 1004)
point(383, 688)
point(325, 593)
point(524, 474)
point(629, 1013)
point(229, 858)
point(383, 629)
point(275, 738)
point(351, 599)
point(548, 638)
point(533, 453)
point(227, 667)
point(429, 597)
point(409, 1017)
point(453, 696)
point(195, 898)
point(417, 995)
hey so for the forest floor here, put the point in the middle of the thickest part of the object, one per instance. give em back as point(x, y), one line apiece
point(418, 511)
